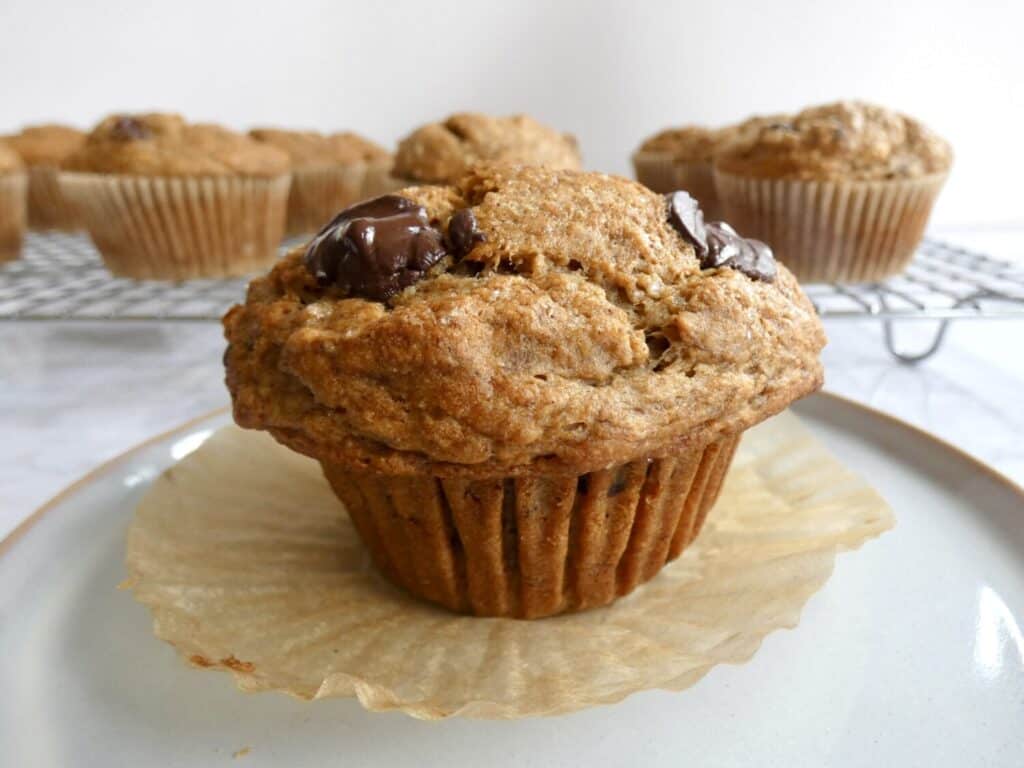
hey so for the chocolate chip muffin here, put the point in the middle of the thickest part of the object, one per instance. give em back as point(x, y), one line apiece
point(42, 149)
point(328, 173)
point(526, 387)
point(439, 153)
point(165, 199)
point(680, 158)
point(13, 185)
point(842, 192)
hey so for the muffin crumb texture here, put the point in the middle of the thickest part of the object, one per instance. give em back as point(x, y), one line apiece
point(847, 140)
point(574, 328)
point(442, 152)
point(165, 145)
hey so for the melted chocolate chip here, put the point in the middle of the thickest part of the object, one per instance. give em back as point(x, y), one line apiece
point(463, 232)
point(727, 249)
point(128, 129)
point(376, 248)
point(686, 216)
point(716, 243)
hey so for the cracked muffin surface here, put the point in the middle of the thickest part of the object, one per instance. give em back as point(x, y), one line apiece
point(846, 140)
point(560, 323)
point(441, 152)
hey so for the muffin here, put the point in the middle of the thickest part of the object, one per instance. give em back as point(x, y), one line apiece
point(681, 158)
point(841, 192)
point(525, 388)
point(13, 184)
point(378, 161)
point(328, 173)
point(165, 199)
point(42, 149)
point(439, 153)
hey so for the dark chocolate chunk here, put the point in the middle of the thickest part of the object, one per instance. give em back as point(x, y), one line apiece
point(727, 249)
point(376, 248)
point(464, 233)
point(686, 216)
point(716, 243)
point(128, 129)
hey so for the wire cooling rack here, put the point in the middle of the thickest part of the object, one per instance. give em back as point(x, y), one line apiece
point(61, 277)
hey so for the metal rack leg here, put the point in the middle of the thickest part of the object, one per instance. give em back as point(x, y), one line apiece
point(913, 359)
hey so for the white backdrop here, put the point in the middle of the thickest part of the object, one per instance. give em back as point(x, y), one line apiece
point(611, 72)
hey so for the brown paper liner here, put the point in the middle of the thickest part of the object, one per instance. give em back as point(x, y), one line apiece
point(823, 231)
point(180, 228)
point(318, 194)
point(12, 214)
point(660, 172)
point(378, 178)
point(528, 547)
point(47, 208)
point(250, 566)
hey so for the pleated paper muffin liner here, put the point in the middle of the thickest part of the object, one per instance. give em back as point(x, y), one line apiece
point(318, 194)
point(251, 566)
point(47, 208)
point(171, 228)
point(378, 178)
point(527, 547)
point(12, 214)
point(660, 172)
point(824, 231)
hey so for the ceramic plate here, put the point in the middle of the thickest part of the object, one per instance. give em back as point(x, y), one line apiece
point(912, 654)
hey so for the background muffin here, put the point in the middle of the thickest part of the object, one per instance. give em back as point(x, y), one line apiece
point(13, 185)
point(526, 387)
point(681, 158)
point(438, 153)
point(162, 198)
point(43, 148)
point(842, 192)
point(328, 173)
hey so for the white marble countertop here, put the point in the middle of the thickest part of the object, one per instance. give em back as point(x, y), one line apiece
point(74, 395)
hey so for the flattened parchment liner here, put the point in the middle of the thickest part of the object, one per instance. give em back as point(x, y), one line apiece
point(249, 563)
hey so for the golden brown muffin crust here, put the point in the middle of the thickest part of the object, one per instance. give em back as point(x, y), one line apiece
point(583, 332)
point(9, 159)
point(691, 143)
point(310, 149)
point(441, 152)
point(351, 147)
point(847, 140)
point(159, 144)
point(46, 144)
point(697, 144)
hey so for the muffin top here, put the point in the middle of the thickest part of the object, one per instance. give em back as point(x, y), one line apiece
point(695, 143)
point(439, 153)
point(351, 147)
point(848, 140)
point(690, 143)
point(522, 320)
point(46, 144)
point(310, 149)
point(9, 159)
point(165, 145)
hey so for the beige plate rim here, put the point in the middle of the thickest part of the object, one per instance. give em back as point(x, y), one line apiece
point(108, 466)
